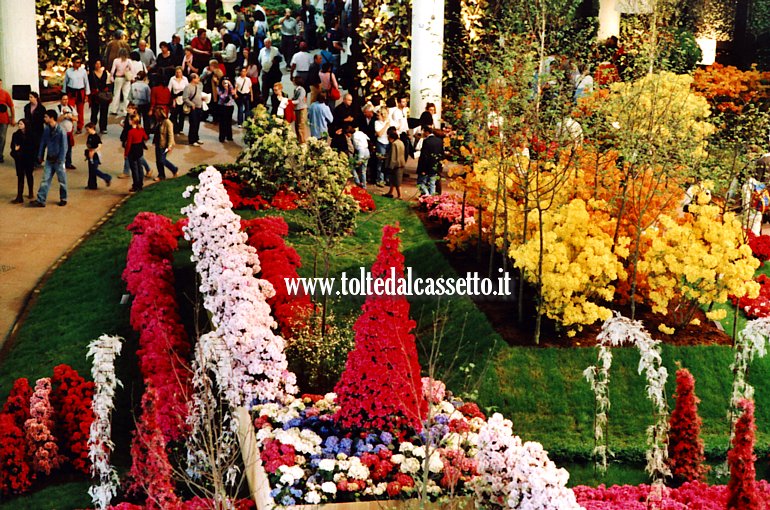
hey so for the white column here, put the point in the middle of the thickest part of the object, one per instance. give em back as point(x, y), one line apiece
point(18, 47)
point(169, 20)
point(609, 19)
point(427, 54)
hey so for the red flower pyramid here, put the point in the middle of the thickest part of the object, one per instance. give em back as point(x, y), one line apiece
point(380, 388)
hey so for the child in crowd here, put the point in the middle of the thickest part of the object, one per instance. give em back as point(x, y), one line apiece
point(131, 110)
point(134, 151)
point(93, 144)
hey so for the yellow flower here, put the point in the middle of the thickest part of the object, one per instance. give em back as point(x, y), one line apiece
point(665, 329)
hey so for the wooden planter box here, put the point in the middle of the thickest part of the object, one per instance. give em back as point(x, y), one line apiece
point(259, 485)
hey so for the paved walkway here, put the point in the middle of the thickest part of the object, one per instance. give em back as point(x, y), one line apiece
point(32, 240)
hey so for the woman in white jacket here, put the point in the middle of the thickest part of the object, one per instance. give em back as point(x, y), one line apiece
point(122, 74)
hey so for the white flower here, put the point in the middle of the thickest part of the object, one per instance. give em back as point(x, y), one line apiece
point(397, 458)
point(357, 470)
point(435, 464)
point(313, 497)
point(410, 465)
point(419, 451)
point(326, 465)
point(405, 447)
point(329, 487)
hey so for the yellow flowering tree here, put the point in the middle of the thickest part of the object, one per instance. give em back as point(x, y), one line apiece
point(659, 129)
point(697, 261)
point(579, 265)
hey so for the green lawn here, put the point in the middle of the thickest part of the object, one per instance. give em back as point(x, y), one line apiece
point(540, 389)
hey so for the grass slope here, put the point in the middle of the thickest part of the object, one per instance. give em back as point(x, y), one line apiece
point(541, 390)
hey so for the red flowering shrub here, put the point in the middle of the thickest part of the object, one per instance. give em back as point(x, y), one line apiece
point(742, 489)
point(151, 472)
point(237, 195)
point(41, 443)
point(381, 388)
point(17, 404)
point(760, 305)
point(278, 261)
point(71, 400)
point(15, 473)
point(760, 245)
point(15, 463)
point(285, 200)
point(685, 447)
point(163, 342)
point(364, 199)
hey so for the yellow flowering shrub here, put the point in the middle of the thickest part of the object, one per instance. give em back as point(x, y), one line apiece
point(579, 266)
point(696, 261)
point(660, 110)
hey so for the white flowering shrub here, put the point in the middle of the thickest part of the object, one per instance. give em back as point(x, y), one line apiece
point(751, 342)
point(247, 356)
point(103, 350)
point(517, 475)
point(616, 332)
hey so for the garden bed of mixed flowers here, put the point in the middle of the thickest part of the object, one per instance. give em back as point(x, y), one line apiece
point(310, 458)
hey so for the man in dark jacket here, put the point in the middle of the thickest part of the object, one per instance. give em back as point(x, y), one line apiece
point(430, 164)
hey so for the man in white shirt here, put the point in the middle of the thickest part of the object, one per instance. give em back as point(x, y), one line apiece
point(301, 62)
point(399, 115)
point(76, 86)
point(265, 58)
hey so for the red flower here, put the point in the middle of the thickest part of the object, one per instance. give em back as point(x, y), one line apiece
point(742, 489)
point(394, 489)
point(685, 447)
point(471, 410)
point(71, 400)
point(364, 199)
point(381, 388)
point(163, 342)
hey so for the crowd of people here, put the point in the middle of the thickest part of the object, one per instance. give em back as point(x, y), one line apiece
point(194, 83)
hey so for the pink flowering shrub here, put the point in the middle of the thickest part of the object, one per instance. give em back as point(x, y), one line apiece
point(447, 207)
point(690, 496)
point(163, 342)
point(40, 440)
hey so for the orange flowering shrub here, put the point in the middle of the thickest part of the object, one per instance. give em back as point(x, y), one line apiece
point(728, 89)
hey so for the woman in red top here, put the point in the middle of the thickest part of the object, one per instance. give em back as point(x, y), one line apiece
point(160, 95)
point(135, 150)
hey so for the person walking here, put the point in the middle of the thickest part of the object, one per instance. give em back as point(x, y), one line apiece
point(288, 28)
point(300, 110)
point(34, 112)
point(121, 74)
point(430, 163)
point(140, 96)
point(93, 144)
point(243, 95)
point(226, 100)
point(23, 151)
point(320, 116)
point(76, 86)
point(54, 146)
point(194, 101)
point(395, 161)
point(100, 96)
point(67, 117)
point(7, 117)
point(177, 86)
point(164, 142)
point(160, 96)
point(135, 151)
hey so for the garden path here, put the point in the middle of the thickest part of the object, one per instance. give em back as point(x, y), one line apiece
point(34, 240)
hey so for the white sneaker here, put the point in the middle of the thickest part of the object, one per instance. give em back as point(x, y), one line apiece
point(198, 144)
